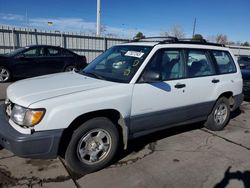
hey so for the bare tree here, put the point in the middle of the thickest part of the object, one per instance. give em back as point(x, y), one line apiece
point(176, 31)
point(221, 39)
point(164, 34)
point(103, 28)
point(211, 38)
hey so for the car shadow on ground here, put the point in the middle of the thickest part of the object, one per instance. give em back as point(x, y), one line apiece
point(238, 175)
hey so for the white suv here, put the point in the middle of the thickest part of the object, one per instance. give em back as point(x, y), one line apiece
point(130, 90)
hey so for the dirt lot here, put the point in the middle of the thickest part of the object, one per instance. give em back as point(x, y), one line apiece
point(188, 156)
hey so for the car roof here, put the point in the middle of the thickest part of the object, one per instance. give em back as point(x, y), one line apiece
point(42, 45)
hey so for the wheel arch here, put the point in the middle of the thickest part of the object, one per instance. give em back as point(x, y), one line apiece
point(113, 115)
point(229, 96)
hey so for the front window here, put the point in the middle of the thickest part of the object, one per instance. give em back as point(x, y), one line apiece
point(118, 64)
point(15, 52)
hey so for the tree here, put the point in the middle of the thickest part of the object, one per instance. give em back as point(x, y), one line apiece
point(139, 36)
point(246, 44)
point(176, 31)
point(198, 37)
point(221, 39)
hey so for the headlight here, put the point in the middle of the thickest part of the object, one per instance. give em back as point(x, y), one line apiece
point(25, 116)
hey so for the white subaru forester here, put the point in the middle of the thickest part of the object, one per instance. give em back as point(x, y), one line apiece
point(130, 90)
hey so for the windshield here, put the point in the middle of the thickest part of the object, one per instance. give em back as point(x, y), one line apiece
point(118, 64)
point(15, 52)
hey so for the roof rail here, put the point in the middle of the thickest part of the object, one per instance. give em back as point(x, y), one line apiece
point(156, 39)
point(170, 39)
point(198, 41)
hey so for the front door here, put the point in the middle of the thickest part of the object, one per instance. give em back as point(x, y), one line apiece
point(26, 63)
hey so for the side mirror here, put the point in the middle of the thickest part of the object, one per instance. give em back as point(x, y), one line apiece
point(151, 76)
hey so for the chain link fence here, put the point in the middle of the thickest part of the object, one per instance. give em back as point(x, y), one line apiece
point(83, 44)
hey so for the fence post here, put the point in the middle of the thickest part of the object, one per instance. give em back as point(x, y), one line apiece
point(13, 38)
point(64, 41)
point(61, 41)
point(105, 43)
point(36, 36)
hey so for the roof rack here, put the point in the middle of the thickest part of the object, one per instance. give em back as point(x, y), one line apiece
point(198, 41)
point(170, 39)
point(156, 39)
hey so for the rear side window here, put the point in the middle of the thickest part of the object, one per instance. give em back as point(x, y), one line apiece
point(53, 52)
point(199, 64)
point(224, 62)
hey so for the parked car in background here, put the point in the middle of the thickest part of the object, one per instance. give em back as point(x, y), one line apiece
point(246, 82)
point(37, 60)
point(244, 61)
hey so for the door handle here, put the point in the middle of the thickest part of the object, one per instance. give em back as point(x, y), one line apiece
point(179, 86)
point(215, 81)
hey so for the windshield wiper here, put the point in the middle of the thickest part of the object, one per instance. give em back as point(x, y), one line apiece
point(92, 74)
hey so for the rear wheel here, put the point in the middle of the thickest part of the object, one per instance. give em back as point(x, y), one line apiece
point(92, 146)
point(4, 74)
point(70, 68)
point(219, 116)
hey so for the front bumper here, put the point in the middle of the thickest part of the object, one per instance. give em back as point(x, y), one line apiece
point(39, 145)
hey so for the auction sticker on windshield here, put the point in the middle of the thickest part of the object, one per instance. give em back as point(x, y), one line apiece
point(134, 54)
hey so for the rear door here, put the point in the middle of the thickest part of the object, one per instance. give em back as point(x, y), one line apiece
point(230, 79)
point(202, 83)
point(52, 61)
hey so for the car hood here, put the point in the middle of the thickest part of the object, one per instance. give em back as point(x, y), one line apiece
point(29, 91)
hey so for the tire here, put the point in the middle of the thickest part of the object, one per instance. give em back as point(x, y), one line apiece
point(5, 74)
point(97, 137)
point(70, 68)
point(219, 116)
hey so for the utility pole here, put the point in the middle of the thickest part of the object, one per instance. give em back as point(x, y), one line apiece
point(194, 27)
point(98, 18)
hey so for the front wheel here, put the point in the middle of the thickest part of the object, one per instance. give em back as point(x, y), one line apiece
point(219, 116)
point(93, 145)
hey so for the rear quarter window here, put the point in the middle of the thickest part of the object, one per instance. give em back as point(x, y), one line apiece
point(224, 61)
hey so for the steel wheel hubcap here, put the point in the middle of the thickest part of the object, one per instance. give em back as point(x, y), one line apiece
point(94, 146)
point(220, 114)
point(4, 74)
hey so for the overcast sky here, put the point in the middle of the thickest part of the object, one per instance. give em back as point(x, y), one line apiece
point(126, 18)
